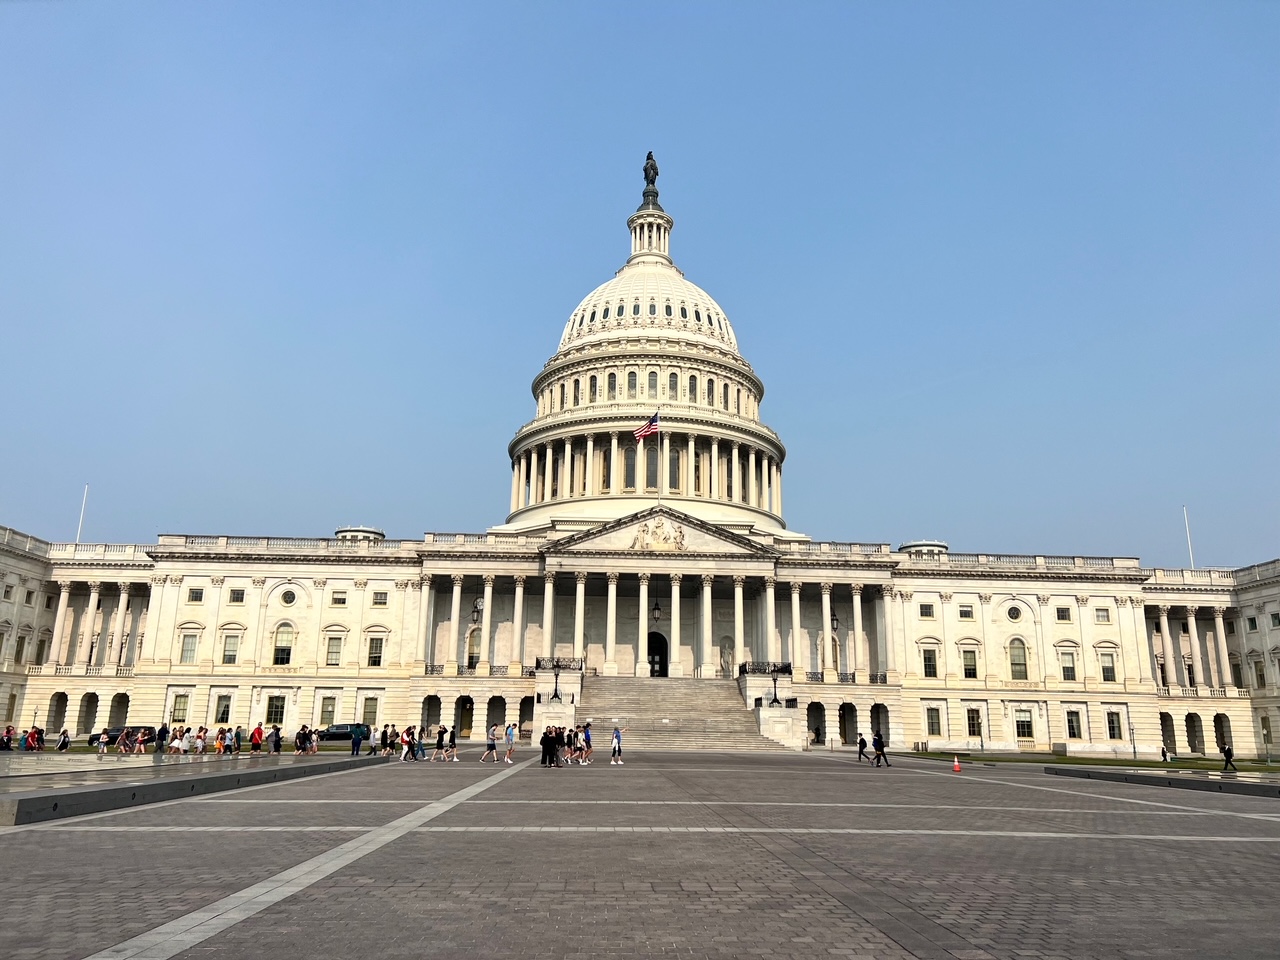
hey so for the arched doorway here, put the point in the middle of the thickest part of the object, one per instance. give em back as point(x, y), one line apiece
point(657, 655)
point(816, 721)
point(1221, 730)
point(1195, 734)
point(496, 714)
point(473, 646)
point(57, 714)
point(848, 723)
point(463, 714)
point(880, 721)
point(119, 710)
point(88, 716)
point(1168, 733)
point(526, 718)
point(431, 712)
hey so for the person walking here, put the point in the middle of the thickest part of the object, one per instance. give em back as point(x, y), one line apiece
point(162, 737)
point(877, 747)
point(453, 744)
point(256, 737)
point(237, 739)
point(545, 741)
point(1227, 755)
point(406, 745)
point(384, 740)
point(586, 743)
point(615, 746)
point(64, 741)
point(491, 744)
point(440, 751)
point(102, 741)
point(510, 734)
point(357, 738)
point(6, 741)
point(274, 738)
point(862, 749)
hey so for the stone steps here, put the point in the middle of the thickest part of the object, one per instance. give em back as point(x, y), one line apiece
point(670, 713)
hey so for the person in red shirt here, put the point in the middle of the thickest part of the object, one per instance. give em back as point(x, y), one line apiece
point(255, 739)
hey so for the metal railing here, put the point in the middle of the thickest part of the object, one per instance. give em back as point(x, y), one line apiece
point(764, 668)
point(813, 676)
point(560, 663)
point(877, 678)
point(435, 669)
point(846, 678)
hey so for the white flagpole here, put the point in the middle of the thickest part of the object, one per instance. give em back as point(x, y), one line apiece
point(1187, 523)
point(83, 500)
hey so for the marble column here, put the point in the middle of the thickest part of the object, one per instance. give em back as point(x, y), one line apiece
point(611, 628)
point(614, 482)
point(714, 473)
point(739, 639)
point(60, 623)
point(1220, 642)
point(689, 461)
point(675, 666)
point(799, 656)
point(753, 485)
point(1204, 664)
point(455, 627)
point(1172, 665)
point(515, 485)
point(122, 608)
point(486, 627)
point(547, 466)
point(524, 479)
point(773, 645)
point(765, 487)
point(548, 613)
point(88, 624)
point(426, 642)
point(642, 631)
point(579, 613)
point(591, 465)
point(664, 469)
point(858, 654)
point(778, 492)
point(737, 475)
point(566, 470)
point(886, 604)
point(708, 636)
point(824, 657)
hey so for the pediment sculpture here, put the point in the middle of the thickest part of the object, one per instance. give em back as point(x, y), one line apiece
point(660, 535)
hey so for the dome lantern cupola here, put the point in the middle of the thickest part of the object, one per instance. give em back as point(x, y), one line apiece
point(650, 225)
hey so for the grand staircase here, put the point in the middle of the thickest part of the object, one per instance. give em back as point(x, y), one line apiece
point(670, 713)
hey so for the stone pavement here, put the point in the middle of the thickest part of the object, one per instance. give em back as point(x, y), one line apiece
point(675, 855)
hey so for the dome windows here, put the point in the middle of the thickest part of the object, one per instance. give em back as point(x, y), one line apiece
point(684, 312)
point(631, 385)
point(577, 392)
point(697, 315)
point(635, 309)
point(592, 318)
point(605, 315)
point(653, 309)
point(711, 393)
point(653, 384)
point(622, 310)
point(613, 386)
point(593, 396)
point(668, 309)
point(673, 387)
point(693, 389)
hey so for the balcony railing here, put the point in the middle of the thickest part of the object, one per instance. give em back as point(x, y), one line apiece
point(813, 676)
point(560, 663)
point(435, 669)
point(846, 678)
point(877, 678)
point(764, 668)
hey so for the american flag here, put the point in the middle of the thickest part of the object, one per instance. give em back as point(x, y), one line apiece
point(649, 429)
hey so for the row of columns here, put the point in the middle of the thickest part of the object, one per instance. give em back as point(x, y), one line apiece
point(573, 470)
point(1215, 670)
point(66, 650)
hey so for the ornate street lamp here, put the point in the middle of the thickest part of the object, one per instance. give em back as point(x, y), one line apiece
point(555, 694)
point(657, 611)
point(476, 608)
point(775, 702)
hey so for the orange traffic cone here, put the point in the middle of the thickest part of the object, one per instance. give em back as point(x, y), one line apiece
point(956, 765)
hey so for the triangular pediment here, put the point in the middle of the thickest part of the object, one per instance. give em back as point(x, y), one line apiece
point(659, 530)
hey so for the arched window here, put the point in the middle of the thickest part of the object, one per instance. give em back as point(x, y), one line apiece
point(577, 392)
point(673, 387)
point(668, 309)
point(693, 389)
point(631, 385)
point(562, 404)
point(629, 469)
point(653, 309)
point(635, 309)
point(282, 652)
point(737, 402)
point(592, 318)
point(653, 384)
point(684, 313)
point(605, 315)
point(711, 393)
point(620, 311)
point(613, 386)
point(651, 464)
point(673, 470)
point(592, 396)
point(1017, 660)
point(726, 397)
point(697, 315)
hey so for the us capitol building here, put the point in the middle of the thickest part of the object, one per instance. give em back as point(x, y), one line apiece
point(665, 558)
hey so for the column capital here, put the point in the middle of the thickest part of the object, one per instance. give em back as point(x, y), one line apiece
point(65, 585)
point(402, 585)
point(424, 580)
point(906, 595)
point(580, 577)
point(612, 576)
point(456, 578)
point(770, 581)
point(613, 434)
point(676, 578)
point(984, 598)
point(216, 581)
point(319, 584)
point(644, 579)
point(826, 589)
point(125, 586)
point(258, 582)
point(1082, 601)
point(1121, 601)
point(944, 597)
point(519, 579)
point(95, 586)
point(795, 587)
point(736, 444)
point(549, 579)
point(738, 581)
point(855, 589)
point(708, 579)
point(1164, 609)
point(887, 591)
point(1219, 611)
point(1192, 611)
point(1044, 599)
point(361, 584)
point(488, 579)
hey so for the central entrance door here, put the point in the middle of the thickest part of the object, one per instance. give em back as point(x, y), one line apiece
point(657, 655)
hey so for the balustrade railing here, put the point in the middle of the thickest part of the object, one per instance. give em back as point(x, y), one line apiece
point(466, 671)
point(560, 663)
point(499, 670)
point(34, 669)
point(529, 672)
point(435, 669)
point(847, 677)
point(1243, 692)
point(813, 676)
point(877, 678)
point(764, 668)
point(123, 671)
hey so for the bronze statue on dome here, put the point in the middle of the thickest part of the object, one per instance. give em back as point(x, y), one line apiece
point(650, 170)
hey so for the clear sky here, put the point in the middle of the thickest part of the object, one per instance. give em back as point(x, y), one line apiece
point(1009, 270)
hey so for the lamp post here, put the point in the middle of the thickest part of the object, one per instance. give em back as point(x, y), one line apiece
point(775, 702)
point(476, 608)
point(555, 694)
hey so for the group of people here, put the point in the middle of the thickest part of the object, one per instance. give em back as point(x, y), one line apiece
point(563, 746)
point(32, 739)
point(877, 748)
point(412, 743)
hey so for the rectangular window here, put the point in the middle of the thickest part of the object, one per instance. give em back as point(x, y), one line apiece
point(1064, 614)
point(1113, 725)
point(275, 710)
point(195, 595)
point(1022, 725)
point(1251, 624)
point(973, 717)
point(48, 603)
point(333, 655)
point(328, 706)
point(933, 717)
point(1231, 628)
point(966, 611)
point(1275, 619)
point(930, 662)
point(236, 596)
point(222, 709)
point(926, 611)
point(31, 599)
point(188, 654)
point(1108, 667)
point(10, 707)
point(282, 654)
point(180, 701)
point(8, 591)
point(970, 664)
point(1101, 615)
point(379, 598)
point(1259, 674)
point(375, 651)
point(230, 648)
point(1073, 725)
point(1236, 677)
point(370, 714)
point(338, 598)
point(1068, 666)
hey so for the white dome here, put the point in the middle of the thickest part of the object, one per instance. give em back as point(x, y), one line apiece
point(654, 298)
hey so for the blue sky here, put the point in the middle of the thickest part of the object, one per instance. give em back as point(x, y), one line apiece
point(1009, 271)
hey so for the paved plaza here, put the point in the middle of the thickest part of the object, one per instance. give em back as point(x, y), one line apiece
point(671, 855)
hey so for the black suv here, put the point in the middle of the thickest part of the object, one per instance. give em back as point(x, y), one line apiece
point(344, 731)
